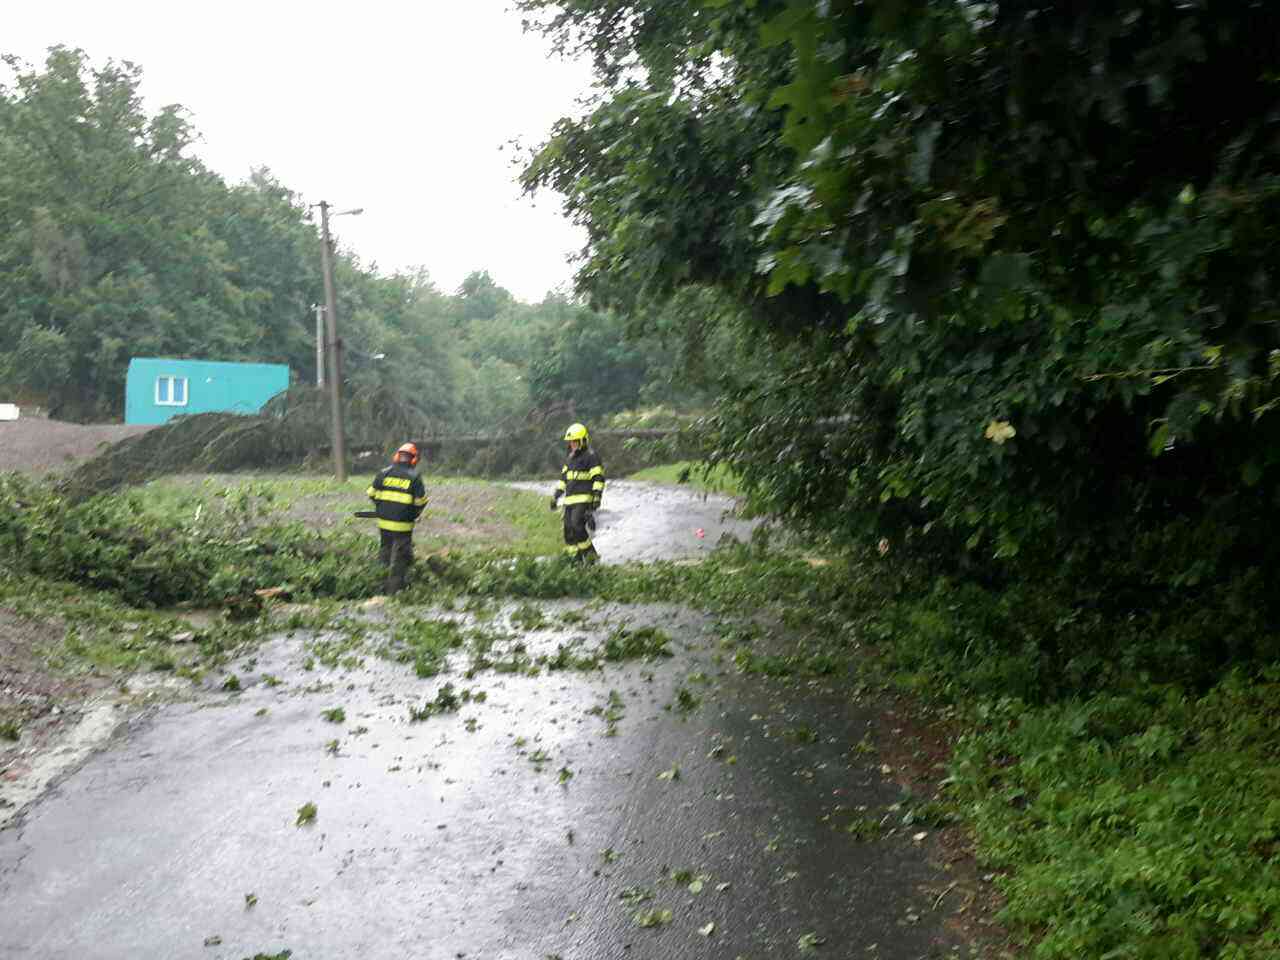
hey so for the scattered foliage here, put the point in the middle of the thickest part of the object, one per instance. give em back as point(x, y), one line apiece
point(1103, 748)
point(644, 643)
point(447, 700)
point(655, 917)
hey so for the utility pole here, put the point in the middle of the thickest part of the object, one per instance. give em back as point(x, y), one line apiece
point(319, 343)
point(335, 348)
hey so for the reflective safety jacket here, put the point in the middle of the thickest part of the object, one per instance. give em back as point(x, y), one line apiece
point(582, 478)
point(399, 497)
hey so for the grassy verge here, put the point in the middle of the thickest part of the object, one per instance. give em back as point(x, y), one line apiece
point(462, 513)
point(1128, 801)
point(1144, 824)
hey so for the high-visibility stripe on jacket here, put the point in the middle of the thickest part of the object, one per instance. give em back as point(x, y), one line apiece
point(582, 478)
point(398, 496)
point(573, 549)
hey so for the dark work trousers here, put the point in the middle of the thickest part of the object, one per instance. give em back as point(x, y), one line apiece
point(395, 552)
point(577, 540)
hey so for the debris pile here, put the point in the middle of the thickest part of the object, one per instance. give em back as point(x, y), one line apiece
point(293, 429)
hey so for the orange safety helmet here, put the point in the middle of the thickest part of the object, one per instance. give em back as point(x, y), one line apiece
point(408, 453)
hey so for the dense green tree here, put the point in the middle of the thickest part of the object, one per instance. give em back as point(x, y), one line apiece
point(508, 336)
point(481, 298)
point(117, 243)
point(273, 256)
point(494, 396)
point(1012, 262)
point(583, 357)
point(93, 194)
point(399, 336)
point(39, 361)
point(556, 353)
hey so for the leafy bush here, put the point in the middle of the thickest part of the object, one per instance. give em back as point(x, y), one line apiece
point(1002, 275)
point(1145, 825)
point(113, 543)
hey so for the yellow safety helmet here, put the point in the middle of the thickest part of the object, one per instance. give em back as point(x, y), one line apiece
point(576, 431)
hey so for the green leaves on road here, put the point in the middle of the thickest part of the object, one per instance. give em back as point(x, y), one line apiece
point(306, 814)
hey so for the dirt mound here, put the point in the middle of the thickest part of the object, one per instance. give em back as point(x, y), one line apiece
point(37, 446)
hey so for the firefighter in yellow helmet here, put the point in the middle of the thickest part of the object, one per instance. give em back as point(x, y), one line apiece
point(399, 498)
point(582, 485)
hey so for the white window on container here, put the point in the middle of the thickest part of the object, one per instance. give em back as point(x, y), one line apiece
point(171, 391)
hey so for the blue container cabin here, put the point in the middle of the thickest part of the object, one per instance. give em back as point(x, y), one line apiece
point(156, 389)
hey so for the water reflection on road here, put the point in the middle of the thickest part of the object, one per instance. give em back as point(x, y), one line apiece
point(647, 521)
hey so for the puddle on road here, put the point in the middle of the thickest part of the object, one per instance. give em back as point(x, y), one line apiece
point(641, 521)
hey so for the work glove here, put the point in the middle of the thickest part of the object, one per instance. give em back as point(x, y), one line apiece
point(590, 521)
point(555, 502)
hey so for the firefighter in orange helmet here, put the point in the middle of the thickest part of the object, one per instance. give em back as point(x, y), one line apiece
point(399, 498)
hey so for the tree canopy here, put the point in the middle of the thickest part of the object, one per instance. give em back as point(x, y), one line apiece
point(118, 242)
point(1010, 263)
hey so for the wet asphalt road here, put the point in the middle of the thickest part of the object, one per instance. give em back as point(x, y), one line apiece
point(515, 827)
point(646, 521)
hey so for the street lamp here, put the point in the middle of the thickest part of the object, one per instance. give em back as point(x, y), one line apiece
point(335, 345)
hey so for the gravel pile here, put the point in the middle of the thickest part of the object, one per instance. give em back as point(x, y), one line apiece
point(37, 446)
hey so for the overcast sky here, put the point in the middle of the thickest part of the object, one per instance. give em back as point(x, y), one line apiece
point(397, 107)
